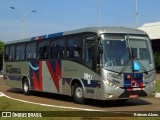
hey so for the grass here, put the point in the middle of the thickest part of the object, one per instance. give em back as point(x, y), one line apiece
point(12, 105)
point(158, 86)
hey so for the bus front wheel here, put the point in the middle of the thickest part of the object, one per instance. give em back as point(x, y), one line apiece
point(26, 89)
point(78, 93)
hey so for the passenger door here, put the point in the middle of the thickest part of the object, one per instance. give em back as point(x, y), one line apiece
point(90, 54)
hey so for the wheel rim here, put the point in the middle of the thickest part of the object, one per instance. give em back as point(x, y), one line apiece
point(25, 86)
point(79, 92)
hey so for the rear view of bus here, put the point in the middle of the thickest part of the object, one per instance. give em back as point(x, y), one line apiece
point(128, 69)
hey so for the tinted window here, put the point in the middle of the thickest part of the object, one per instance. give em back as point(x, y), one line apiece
point(74, 47)
point(57, 49)
point(7, 53)
point(144, 53)
point(31, 51)
point(90, 55)
point(12, 53)
point(20, 52)
point(43, 50)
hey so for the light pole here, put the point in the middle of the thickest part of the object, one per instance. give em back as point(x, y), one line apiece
point(24, 15)
point(136, 13)
point(99, 13)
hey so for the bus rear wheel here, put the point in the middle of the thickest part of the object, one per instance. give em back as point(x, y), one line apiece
point(78, 93)
point(26, 89)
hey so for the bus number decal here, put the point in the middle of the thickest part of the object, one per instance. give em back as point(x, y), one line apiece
point(88, 77)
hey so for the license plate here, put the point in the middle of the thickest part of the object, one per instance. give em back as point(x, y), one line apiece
point(133, 96)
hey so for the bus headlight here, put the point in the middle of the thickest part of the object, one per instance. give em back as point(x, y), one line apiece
point(111, 76)
point(153, 82)
point(112, 80)
point(107, 82)
point(110, 83)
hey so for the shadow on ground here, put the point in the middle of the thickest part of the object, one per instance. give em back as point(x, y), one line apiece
point(89, 102)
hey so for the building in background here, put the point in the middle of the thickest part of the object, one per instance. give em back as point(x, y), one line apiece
point(153, 30)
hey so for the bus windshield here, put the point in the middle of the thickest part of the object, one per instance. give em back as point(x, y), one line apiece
point(122, 51)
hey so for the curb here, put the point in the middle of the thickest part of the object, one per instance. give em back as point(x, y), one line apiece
point(48, 105)
point(1, 94)
point(157, 95)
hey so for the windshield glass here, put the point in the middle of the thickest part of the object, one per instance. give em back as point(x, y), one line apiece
point(120, 51)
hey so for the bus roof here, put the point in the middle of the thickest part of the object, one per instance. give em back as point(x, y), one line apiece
point(96, 30)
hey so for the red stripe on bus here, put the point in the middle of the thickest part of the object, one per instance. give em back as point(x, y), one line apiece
point(40, 73)
point(54, 76)
point(38, 85)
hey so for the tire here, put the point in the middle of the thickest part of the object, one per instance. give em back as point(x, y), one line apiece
point(78, 94)
point(26, 89)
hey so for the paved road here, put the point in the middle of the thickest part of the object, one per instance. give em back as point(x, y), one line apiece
point(145, 104)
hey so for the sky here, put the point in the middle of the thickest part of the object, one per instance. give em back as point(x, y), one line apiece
point(53, 16)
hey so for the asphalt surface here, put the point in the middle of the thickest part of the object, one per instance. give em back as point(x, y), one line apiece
point(143, 104)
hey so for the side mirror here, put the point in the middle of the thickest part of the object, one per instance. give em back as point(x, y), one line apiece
point(98, 38)
point(100, 49)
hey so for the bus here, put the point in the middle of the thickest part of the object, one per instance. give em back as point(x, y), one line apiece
point(102, 63)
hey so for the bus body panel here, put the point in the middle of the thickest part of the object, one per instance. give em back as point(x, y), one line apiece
point(140, 86)
point(14, 72)
point(60, 82)
point(90, 80)
point(49, 76)
point(56, 75)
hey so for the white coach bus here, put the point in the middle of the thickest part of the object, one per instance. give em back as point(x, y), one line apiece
point(105, 63)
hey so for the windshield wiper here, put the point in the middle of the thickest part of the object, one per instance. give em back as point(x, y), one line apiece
point(133, 58)
point(144, 69)
point(130, 56)
point(124, 67)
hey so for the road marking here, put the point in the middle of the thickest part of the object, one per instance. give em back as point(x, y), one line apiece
point(55, 106)
point(1, 94)
point(47, 105)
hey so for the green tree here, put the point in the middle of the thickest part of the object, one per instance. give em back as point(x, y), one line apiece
point(1, 49)
point(1, 54)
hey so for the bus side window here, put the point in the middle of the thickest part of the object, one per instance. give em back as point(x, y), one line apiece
point(57, 49)
point(12, 53)
point(20, 49)
point(70, 48)
point(17, 52)
point(27, 51)
point(54, 50)
point(7, 53)
point(74, 47)
point(61, 50)
point(31, 51)
point(90, 55)
point(43, 50)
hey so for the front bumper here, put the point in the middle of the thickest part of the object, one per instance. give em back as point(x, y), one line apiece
point(111, 93)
